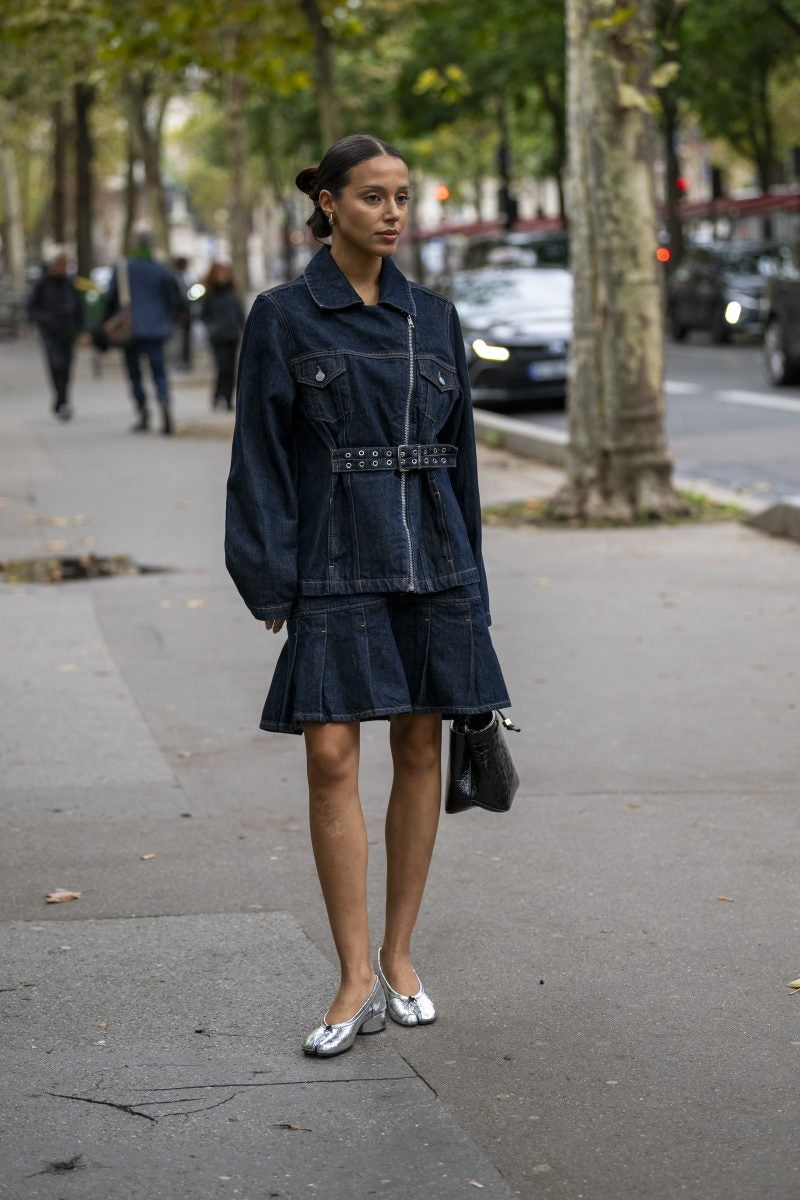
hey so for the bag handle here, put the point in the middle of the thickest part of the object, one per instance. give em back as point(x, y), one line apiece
point(123, 283)
point(507, 722)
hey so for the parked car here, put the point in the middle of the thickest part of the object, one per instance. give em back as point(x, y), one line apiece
point(782, 325)
point(721, 288)
point(518, 249)
point(517, 326)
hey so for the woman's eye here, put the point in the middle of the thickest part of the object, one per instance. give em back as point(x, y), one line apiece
point(402, 199)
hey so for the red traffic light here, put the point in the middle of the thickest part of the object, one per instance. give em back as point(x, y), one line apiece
point(663, 254)
point(682, 183)
point(441, 192)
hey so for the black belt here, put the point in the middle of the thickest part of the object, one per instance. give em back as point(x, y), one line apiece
point(393, 458)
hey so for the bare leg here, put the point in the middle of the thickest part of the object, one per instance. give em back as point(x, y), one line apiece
point(339, 839)
point(411, 823)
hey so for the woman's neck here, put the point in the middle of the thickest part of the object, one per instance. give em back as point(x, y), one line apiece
point(361, 270)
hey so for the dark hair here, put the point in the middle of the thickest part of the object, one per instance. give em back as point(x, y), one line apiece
point(333, 172)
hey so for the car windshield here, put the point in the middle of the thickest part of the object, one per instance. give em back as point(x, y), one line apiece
point(752, 260)
point(482, 295)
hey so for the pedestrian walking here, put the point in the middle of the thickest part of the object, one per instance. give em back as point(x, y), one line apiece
point(154, 306)
point(223, 316)
point(180, 266)
point(353, 516)
point(55, 306)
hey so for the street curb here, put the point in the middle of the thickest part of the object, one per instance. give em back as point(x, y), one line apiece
point(779, 520)
point(521, 437)
point(548, 445)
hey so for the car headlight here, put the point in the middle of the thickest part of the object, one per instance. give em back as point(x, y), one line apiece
point(491, 353)
point(733, 311)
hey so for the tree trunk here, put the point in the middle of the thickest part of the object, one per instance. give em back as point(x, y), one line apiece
point(669, 108)
point(131, 196)
point(324, 74)
point(618, 466)
point(146, 116)
point(12, 229)
point(239, 214)
point(58, 202)
point(83, 94)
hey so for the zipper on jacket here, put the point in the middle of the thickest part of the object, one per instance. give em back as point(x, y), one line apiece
point(406, 435)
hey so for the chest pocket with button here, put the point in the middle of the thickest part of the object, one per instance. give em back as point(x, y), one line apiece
point(437, 391)
point(323, 386)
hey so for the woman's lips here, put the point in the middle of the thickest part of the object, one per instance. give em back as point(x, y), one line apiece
point(389, 234)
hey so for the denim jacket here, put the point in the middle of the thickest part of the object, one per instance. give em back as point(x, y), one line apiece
point(353, 464)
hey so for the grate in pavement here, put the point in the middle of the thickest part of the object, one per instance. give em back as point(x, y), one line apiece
point(54, 569)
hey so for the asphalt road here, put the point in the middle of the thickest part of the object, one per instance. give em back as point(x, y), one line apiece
point(724, 422)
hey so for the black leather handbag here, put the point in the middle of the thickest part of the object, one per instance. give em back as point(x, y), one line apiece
point(480, 771)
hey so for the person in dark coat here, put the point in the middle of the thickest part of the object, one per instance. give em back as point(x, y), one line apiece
point(55, 306)
point(155, 303)
point(223, 316)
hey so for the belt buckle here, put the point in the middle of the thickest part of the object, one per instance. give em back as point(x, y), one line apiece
point(407, 456)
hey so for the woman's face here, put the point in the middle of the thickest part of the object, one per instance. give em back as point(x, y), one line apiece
point(371, 211)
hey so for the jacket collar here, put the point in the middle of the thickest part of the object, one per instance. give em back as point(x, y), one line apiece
point(329, 288)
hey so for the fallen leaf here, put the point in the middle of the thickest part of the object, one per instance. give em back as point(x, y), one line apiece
point(795, 985)
point(541, 1168)
point(293, 1128)
point(474, 1183)
point(147, 857)
point(184, 754)
point(196, 603)
point(728, 898)
point(633, 805)
point(59, 896)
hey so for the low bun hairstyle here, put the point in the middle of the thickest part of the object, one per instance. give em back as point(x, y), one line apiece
point(333, 173)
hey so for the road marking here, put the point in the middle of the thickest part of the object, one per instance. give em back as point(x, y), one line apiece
point(679, 387)
point(758, 400)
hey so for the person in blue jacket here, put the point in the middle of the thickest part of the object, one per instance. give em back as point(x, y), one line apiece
point(353, 517)
point(155, 302)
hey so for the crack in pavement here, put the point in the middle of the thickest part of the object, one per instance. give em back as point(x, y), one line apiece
point(126, 1108)
point(190, 1087)
point(422, 1077)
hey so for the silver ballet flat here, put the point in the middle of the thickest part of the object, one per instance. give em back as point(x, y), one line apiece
point(327, 1040)
point(407, 1010)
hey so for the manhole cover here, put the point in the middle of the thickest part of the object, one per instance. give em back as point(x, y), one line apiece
point(73, 567)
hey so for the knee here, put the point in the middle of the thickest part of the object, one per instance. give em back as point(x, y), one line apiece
point(330, 763)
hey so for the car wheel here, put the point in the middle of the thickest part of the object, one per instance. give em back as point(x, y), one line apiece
point(676, 331)
point(720, 330)
point(780, 369)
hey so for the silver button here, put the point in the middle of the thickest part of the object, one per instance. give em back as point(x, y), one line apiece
point(320, 375)
point(349, 466)
point(361, 452)
point(361, 464)
point(347, 454)
point(375, 464)
point(374, 453)
point(442, 379)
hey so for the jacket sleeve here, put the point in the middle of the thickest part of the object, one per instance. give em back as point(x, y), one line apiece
point(460, 431)
point(261, 511)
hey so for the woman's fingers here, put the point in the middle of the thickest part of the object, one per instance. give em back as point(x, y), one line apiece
point(275, 626)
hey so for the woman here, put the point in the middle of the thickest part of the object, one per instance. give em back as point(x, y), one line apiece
point(353, 516)
point(223, 316)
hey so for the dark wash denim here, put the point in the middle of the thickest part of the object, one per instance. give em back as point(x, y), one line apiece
point(320, 370)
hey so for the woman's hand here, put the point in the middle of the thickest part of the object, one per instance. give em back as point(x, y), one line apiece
point(275, 626)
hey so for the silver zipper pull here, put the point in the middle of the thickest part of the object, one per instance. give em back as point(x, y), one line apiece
point(509, 724)
point(410, 321)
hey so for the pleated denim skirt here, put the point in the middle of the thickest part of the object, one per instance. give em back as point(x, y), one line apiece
point(363, 658)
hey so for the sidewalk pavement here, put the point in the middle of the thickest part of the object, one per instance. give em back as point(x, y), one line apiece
point(610, 959)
